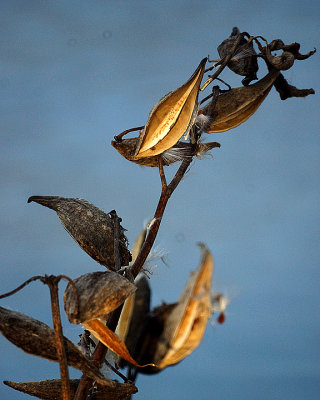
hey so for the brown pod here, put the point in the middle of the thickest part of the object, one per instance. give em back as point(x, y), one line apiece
point(90, 227)
point(50, 389)
point(172, 117)
point(97, 294)
point(179, 152)
point(235, 106)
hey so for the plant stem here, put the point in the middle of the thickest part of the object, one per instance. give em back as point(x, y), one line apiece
point(166, 192)
point(52, 282)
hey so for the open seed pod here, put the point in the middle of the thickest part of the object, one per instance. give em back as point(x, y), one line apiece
point(179, 152)
point(172, 117)
point(97, 294)
point(174, 331)
point(235, 106)
point(94, 230)
point(244, 60)
point(185, 325)
point(133, 315)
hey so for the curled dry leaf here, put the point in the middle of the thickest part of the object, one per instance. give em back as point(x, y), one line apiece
point(35, 337)
point(51, 389)
point(244, 60)
point(235, 106)
point(286, 91)
point(90, 227)
point(98, 293)
point(179, 152)
point(281, 63)
point(171, 117)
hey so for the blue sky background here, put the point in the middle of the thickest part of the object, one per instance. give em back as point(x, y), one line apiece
point(72, 75)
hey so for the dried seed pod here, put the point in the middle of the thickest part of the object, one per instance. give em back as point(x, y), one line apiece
point(98, 293)
point(90, 227)
point(185, 325)
point(133, 315)
point(148, 342)
point(235, 106)
point(179, 152)
point(50, 389)
point(173, 331)
point(47, 390)
point(172, 117)
point(244, 60)
point(35, 337)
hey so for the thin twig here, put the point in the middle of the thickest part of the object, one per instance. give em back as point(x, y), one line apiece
point(118, 138)
point(34, 278)
point(125, 379)
point(161, 173)
point(116, 234)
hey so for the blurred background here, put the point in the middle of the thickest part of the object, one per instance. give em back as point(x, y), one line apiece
point(74, 74)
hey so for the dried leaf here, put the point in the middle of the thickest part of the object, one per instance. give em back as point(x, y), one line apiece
point(110, 340)
point(235, 106)
point(171, 117)
point(244, 60)
point(90, 227)
point(51, 389)
point(35, 337)
point(99, 293)
point(286, 91)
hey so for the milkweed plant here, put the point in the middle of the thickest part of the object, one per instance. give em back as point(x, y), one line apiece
point(113, 304)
